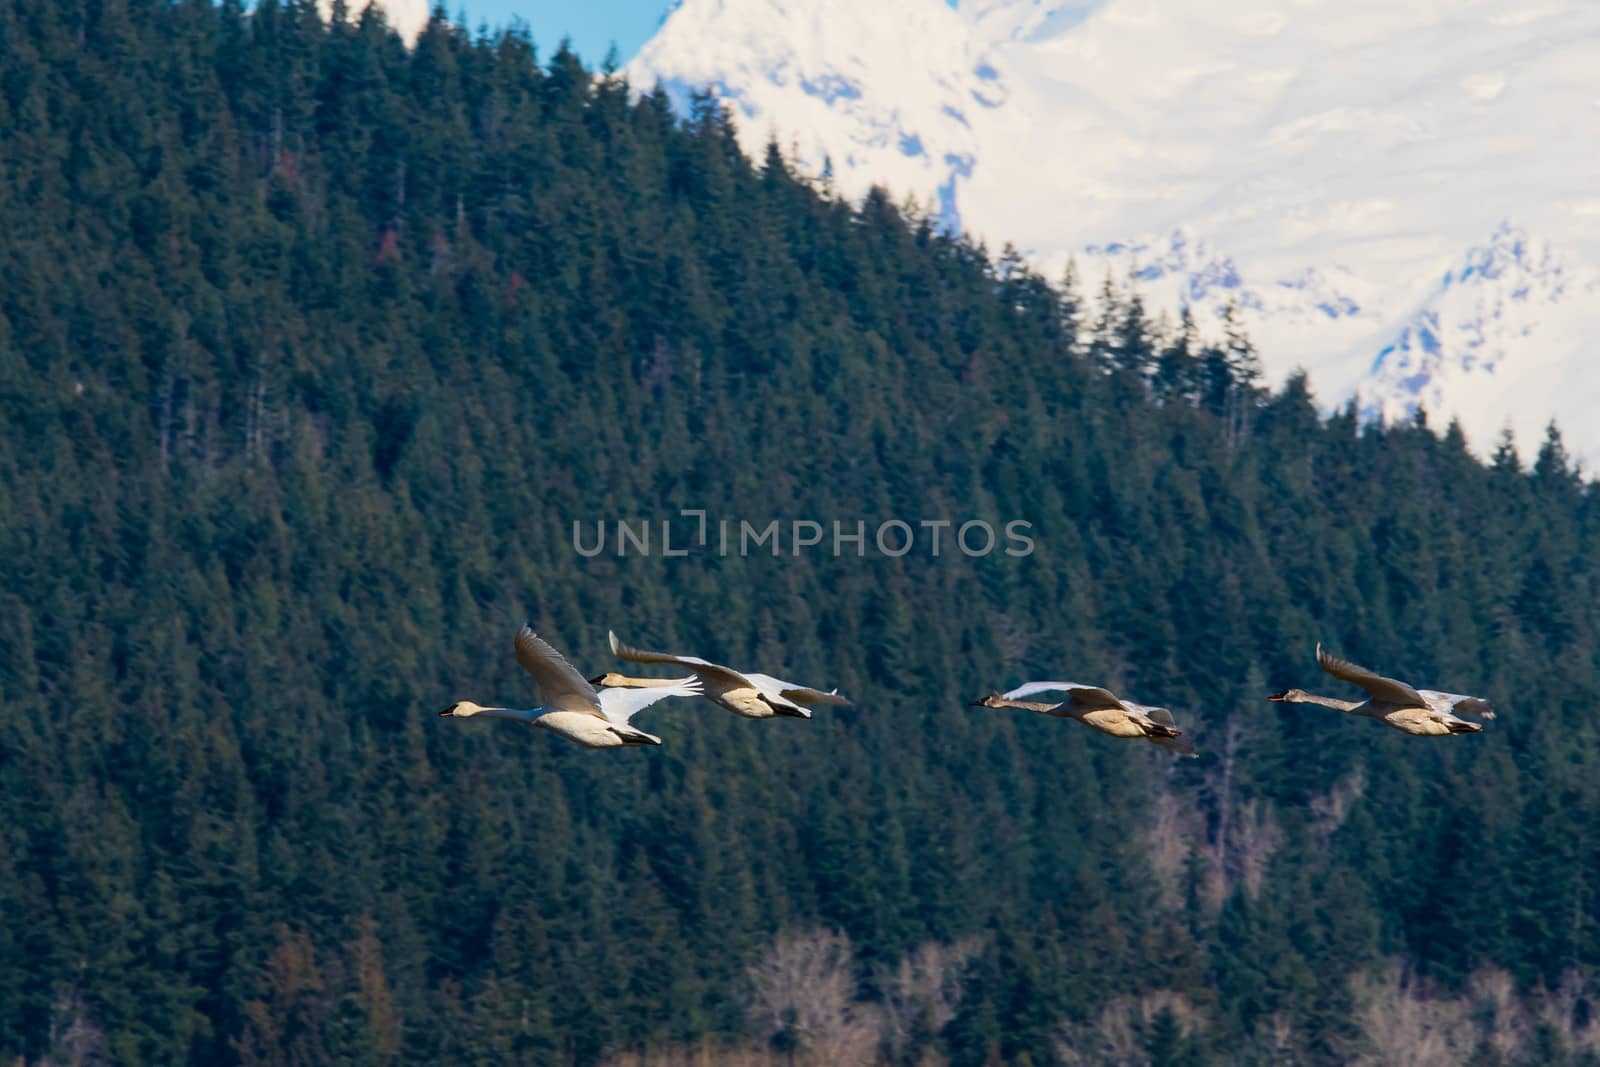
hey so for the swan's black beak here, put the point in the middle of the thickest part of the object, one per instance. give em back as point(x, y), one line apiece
point(1280, 696)
point(448, 713)
point(597, 679)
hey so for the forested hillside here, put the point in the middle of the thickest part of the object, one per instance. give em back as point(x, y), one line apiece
point(312, 351)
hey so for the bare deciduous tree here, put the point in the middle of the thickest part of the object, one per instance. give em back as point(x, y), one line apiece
point(1493, 995)
point(700, 1056)
point(372, 992)
point(1400, 1023)
point(1275, 1042)
point(922, 992)
point(1568, 1010)
point(1256, 838)
point(1403, 1021)
point(804, 989)
point(1329, 812)
point(1117, 1037)
point(1170, 834)
point(1246, 834)
point(1012, 639)
point(805, 992)
point(76, 1039)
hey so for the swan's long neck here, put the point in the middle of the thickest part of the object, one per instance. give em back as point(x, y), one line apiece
point(623, 681)
point(1328, 702)
point(513, 714)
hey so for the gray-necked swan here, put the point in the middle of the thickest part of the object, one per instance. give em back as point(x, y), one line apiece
point(1421, 712)
point(1099, 708)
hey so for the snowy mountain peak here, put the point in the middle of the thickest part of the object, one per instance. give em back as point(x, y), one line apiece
point(817, 74)
point(1330, 166)
point(1483, 344)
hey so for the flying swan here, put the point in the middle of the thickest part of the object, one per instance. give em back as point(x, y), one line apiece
point(1423, 712)
point(1099, 708)
point(755, 696)
point(571, 706)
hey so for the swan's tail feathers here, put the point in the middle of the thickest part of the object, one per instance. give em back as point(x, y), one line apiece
point(1177, 744)
point(690, 686)
point(631, 736)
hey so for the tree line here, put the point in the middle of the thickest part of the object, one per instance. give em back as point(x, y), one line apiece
point(312, 349)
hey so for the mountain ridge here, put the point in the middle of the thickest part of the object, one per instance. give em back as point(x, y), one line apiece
point(1327, 156)
point(293, 444)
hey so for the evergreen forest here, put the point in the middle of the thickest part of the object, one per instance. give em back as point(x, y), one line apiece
point(321, 356)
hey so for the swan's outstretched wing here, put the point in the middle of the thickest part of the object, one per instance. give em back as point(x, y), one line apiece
point(1457, 703)
point(694, 663)
point(561, 687)
point(621, 704)
point(1082, 697)
point(800, 694)
point(1376, 685)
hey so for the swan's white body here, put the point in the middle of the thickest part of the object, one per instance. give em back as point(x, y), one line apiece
point(1101, 709)
point(755, 696)
point(1419, 712)
point(572, 707)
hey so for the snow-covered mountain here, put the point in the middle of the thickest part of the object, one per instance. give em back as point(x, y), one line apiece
point(1515, 325)
point(1404, 199)
point(408, 17)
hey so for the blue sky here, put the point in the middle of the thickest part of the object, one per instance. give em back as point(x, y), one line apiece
point(592, 24)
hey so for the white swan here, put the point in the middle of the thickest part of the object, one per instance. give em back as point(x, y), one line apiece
point(1099, 708)
point(755, 696)
point(571, 706)
point(1421, 712)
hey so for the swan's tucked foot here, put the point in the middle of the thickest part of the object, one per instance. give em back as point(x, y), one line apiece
point(1156, 729)
point(1177, 744)
point(631, 736)
point(785, 710)
point(1464, 728)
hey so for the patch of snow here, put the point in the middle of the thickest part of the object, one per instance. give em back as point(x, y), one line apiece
point(407, 17)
